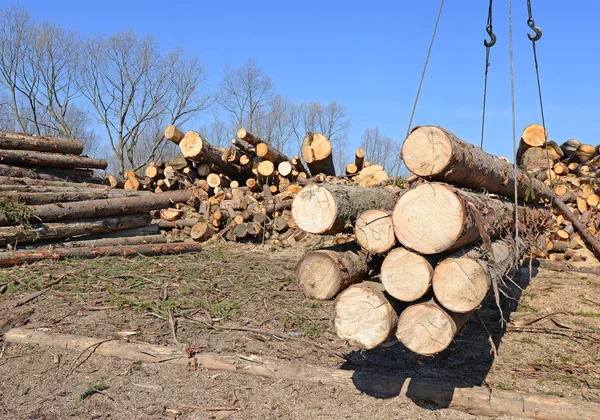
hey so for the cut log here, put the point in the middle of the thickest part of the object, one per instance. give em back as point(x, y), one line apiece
point(371, 176)
point(351, 169)
point(255, 229)
point(359, 158)
point(62, 196)
point(40, 232)
point(284, 168)
point(171, 215)
point(8, 259)
point(536, 157)
point(585, 152)
point(241, 231)
point(298, 164)
point(364, 315)
point(463, 280)
point(108, 207)
point(324, 273)
point(50, 174)
point(247, 137)
point(433, 152)
point(266, 152)
point(434, 217)
point(194, 147)
point(16, 141)
point(173, 134)
point(266, 169)
point(331, 208)
point(374, 231)
point(156, 238)
point(406, 275)
point(177, 224)
point(317, 153)
point(570, 147)
point(248, 150)
point(153, 172)
point(116, 182)
point(427, 329)
point(31, 158)
point(201, 232)
point(533, 135)
point(6, 180)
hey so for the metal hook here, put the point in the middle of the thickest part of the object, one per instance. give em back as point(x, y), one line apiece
point(538, 31)
point(492, 40)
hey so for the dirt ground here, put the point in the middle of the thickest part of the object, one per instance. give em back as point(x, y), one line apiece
point(243, 299)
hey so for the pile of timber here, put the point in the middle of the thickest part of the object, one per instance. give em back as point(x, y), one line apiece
point(427, 256)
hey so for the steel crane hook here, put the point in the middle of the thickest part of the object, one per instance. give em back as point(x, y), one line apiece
point(492, 40)
point(538, 31)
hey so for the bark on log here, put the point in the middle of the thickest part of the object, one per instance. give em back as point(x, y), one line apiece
point(50, 174)
point(324, 273)
point(330, 208)
point(31, 158)
point(4, 180)
point(434, 217)
point(174, 134)
point(8, 259)
point(463, 280)
point(317, 153)
point(17, 141)
point(374, 231)
point(194, 147)
point(364, 315)
point(156, 238)
point(108, 207)
point(407, 275)
point(266, 152)
point(248, 150)
point(536, 158)
point(200, 232)
point(40, 232)
point(475, 400)
point(359, 158)
point(38, 198)
point(248, 137)
point(533, 135)
point(427, 329)
point(177, 224)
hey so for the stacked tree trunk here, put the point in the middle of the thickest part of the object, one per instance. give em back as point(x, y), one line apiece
point(443, 246)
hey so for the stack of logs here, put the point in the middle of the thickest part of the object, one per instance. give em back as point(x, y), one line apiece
point(432, 252)
point(572, 170)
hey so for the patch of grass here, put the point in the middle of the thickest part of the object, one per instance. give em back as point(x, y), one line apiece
point(311, 331)
point(564, 358)
point(506, 387)
point(524, 307)
point(588, 314)
point(552, 393)
point(91, 390)
point(139, 367)
point(529, 340)
point(569, 380)
point(225, 308)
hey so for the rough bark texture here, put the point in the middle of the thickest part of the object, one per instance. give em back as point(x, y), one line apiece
point(407, 275)
point(463, 280)
point(374, 231)
point(364, 315)
point(174, 134)
point(427, 329)
point(248, 137)
point(108, 207)
point(536, 157)
point(434, 217)
point(37, 198)
point(5, 180)
point(124, 240)
point(331, 208)
point(50, 174)
point(177, 224)
point(39, 232)
point(317, 153)
point(263, 150)
point(31, 158)
point(194, 147)
point(16, 141)
point(324, 273)
point(8, 259)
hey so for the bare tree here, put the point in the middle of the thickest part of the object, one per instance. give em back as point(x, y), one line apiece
point(131, 85)
point(245, 94)
point(381, 149)
point(276, 127)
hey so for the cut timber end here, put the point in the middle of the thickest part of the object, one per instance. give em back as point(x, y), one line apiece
point(284, 168)
point(266, 168)
point(406, 275)
point(460, 284)
point(420, 225)
point(534, 135)
point(427, 151)
point(191, 145)
point(364, 316)
point(314, 209)
point(315, 147)
point(174, 134)
point(374, 231)
point(426, 328)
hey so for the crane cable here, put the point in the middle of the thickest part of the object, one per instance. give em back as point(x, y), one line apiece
point(488, 45)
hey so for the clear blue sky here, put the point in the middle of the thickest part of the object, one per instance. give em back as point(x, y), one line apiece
point(368, 55)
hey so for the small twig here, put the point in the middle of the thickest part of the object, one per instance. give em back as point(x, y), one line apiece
point(93, 347)
point(173, 325)
point(539, 318)
point(493, 350)
point(210, 408)
point(39, 293)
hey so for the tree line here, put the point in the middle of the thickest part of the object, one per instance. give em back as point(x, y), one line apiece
point(122, 88)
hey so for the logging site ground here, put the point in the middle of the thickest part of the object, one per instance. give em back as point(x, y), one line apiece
point(243, 299)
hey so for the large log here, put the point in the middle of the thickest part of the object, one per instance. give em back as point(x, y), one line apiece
point(62, 196)
point(194, 147)
point(463, 280)
point(374, 231)
point(533, 135)
point(427, 329)
point(264, 151)
point(364, 315)
point(331, 208)
point(7, 180)
point(18, 141)
point(435, 217)
point(173, 134)
point(50, 174)
point(317, 153)
point(31, 158)
point(13, 258)
point(243, 134)
point(107, 207)
point(324, 273)
point(407, 275)
point(40, 232)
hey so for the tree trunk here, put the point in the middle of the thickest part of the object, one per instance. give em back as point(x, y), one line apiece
point(364, 315)
point(536, 157)
point(16, 141)
point(123, 240)
point(8, 259)
point(48, 183)
point(374, 231)
point(330, 208)
point(50, 231)
point(108, 207)
point(177, 224)
point(31, 158)
point(406, 275)
point(174, 134)
point(200, 232)
point(194, 147)
point(266, 152)
point(324, 273)
point(533, 135)
point(435, 217)
point(50, 174)
point(247, 137)
point(427, 329)
point(463, 280)
point(359, 158)
point(61, 196)
point(317, 153)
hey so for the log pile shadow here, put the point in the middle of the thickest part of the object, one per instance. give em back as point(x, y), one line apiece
point(384, 372)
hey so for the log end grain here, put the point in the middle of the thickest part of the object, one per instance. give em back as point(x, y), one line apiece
point(534, 135)
point(314, 209)
point(406, 275)
point(425, 329)
point(427, 151)
point(319, 276)
point(374, 231)
point(315, 147)
point(191, 145)
point(460, 284)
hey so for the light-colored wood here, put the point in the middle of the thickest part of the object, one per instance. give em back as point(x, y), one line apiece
point(171, 214)
point(19, 141)
point(317, 153)
point(374, 231)
point(359, 158)
point(173, 134)
point(284, 168)
point(266, 168)
point(407, 275)
point(371, 176)
point(364, 315)
point(248, 137)
point(200, 232)
point(324, 273)
point(351, 169)
point(32, 159)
